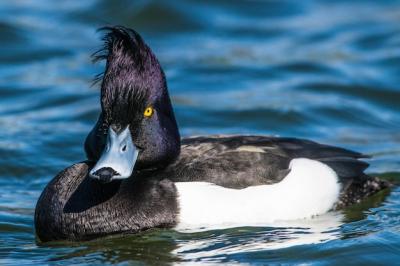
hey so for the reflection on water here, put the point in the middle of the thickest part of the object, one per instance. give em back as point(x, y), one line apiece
point(249, 239)
point(324, 70)
point(233, 244)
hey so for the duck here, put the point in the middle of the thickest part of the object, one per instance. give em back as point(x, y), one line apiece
point(140, 174)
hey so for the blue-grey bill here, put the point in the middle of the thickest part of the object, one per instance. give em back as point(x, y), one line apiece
point(119, 156)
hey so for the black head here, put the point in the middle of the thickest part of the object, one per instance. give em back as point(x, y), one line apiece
point(134, 95)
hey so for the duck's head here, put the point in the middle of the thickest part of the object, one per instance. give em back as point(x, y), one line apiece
point(137, 129)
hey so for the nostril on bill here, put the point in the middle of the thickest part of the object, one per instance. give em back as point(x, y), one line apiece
point(105, 174)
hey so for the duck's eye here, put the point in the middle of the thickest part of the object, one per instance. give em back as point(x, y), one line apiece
point(148, 112)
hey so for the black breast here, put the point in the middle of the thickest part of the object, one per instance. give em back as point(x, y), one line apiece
point(76, 207)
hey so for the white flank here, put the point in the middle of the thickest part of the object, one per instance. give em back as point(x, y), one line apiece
point(311, 188)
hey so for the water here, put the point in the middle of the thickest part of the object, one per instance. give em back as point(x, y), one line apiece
point(324, 70)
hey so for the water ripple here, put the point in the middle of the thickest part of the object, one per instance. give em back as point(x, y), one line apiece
point(323, 70)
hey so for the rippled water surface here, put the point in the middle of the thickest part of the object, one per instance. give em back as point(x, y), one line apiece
point(325, 70)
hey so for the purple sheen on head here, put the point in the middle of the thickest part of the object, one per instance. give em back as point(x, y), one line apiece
point(133, 77)
point(133, 80)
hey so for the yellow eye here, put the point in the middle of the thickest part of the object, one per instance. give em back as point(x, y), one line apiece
point(148, 112)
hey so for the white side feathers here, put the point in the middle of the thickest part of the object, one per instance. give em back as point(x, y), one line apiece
point(311, 188)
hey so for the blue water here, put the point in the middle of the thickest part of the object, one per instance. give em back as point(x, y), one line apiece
point(324, 70)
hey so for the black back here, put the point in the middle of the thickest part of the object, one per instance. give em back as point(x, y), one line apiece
point(241, 161)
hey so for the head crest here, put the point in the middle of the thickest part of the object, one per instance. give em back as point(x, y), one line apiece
point(132, 73)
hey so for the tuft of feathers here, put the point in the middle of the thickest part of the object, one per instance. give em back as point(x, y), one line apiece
point(121, 39)
point(132, 74)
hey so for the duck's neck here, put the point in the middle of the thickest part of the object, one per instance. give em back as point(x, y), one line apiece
point(73, 206)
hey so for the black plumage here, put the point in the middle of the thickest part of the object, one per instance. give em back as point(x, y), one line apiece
point(74, 206)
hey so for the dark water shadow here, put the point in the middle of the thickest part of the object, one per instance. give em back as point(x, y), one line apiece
point(153, 247)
